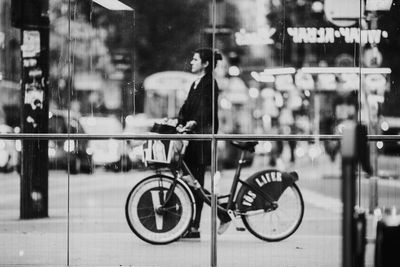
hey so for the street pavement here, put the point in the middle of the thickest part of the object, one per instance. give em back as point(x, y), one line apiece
point(94, 232)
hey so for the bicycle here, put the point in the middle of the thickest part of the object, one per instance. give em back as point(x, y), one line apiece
point(160, 208)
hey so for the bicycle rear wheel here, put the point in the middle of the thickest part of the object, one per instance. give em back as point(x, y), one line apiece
point(152, 226)
point(274, 225)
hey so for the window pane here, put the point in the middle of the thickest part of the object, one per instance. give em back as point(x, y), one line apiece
point(130, 69)
point(33, 202)
point(318, 237)
point(287, 68)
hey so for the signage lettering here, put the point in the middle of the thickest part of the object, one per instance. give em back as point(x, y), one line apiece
point(248, 199)
point(268, 177)
point(330, 35)
point(262, 180)
point(261, 37)
point(312, 35)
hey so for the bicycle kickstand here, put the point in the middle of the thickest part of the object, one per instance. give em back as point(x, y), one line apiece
point(235, 222)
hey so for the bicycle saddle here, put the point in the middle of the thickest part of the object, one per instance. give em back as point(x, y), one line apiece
point(247, 145)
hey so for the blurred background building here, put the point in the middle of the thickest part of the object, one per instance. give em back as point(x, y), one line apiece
point(265, 44)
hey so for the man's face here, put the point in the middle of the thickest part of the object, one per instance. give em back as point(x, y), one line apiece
point(197, 65)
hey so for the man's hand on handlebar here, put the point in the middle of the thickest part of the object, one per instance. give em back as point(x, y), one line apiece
point(190, 125)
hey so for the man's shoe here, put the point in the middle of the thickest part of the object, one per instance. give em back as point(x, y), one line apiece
point(192, 233)
point(223, 226)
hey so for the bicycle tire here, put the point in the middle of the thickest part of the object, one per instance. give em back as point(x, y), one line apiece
point(270, 225)
point(155, 228)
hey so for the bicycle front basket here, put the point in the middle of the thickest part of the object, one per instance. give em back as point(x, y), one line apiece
point(163, 151)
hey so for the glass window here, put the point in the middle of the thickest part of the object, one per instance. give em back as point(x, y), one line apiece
point(90, 92)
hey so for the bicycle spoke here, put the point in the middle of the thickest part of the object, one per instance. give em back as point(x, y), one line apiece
point(146, 217)
point(172, 207)
point(150, 208)
point(174, 213)
point(278, 224)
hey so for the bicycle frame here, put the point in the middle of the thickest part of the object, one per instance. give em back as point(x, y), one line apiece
point(237, 180)
point(250, 199)
point(177, 173)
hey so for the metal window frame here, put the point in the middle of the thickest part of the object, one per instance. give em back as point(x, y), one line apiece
point(217, 137)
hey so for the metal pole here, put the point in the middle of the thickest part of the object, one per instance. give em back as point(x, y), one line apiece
point(35, 108)
point(373, 181)
point(349, 161)
point(348, 195)
point(213, 152)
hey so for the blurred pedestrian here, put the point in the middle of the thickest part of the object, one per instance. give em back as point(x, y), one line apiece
point(197, 114)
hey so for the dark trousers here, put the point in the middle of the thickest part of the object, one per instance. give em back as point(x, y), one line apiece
point(198, 171)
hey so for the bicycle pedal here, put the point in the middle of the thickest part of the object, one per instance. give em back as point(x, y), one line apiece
point(235, 221)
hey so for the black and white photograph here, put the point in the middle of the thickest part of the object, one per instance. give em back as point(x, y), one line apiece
point(204, 133)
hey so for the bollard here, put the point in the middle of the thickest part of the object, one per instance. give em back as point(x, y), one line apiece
point(360, 231)
point(349, 161)
point(354, 151)
point(388, 240)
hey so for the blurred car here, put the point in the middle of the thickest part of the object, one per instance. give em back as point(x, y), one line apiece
point(107, 153)
point(8, 151)
point(79, 153)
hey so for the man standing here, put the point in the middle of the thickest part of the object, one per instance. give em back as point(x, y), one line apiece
point(197, 115)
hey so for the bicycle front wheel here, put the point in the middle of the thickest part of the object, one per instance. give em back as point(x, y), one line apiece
point(144, 216)
point(276, 225)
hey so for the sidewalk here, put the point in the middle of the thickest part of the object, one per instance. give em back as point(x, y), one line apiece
point(96, 232)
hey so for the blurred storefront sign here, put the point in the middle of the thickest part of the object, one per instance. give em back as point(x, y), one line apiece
point(324, 35)
point(343, 12)
point(378, 5)
point(374, 80)
point(348, 79)
point(263, 36)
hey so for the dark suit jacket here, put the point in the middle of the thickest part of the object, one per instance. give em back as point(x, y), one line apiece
point(198, 107)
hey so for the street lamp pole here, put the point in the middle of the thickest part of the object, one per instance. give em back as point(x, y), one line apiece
point(32, 18)
point(372, 7)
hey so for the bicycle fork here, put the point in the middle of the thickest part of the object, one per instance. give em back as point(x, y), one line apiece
point(235, 182)
point(165, 196)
